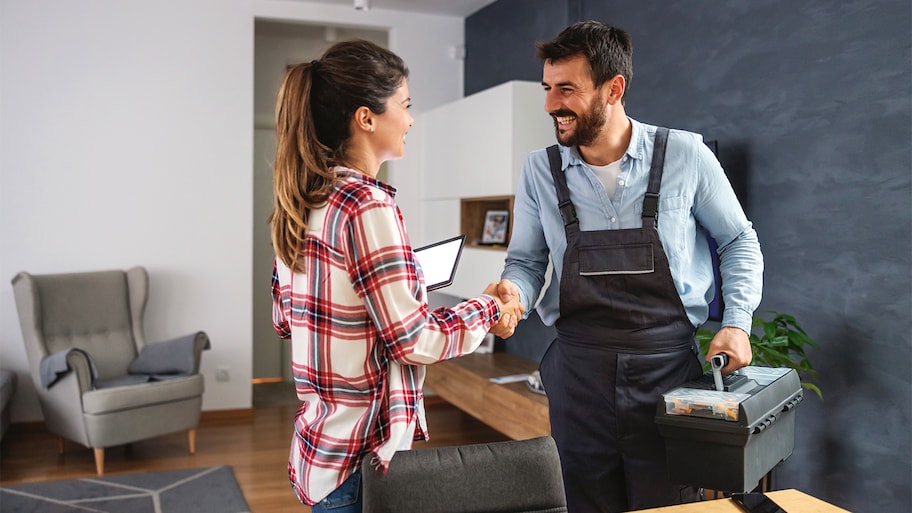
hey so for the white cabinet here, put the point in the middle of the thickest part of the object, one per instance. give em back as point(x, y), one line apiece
point(475, 148)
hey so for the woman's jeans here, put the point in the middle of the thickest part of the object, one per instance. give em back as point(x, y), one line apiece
point(344, 499)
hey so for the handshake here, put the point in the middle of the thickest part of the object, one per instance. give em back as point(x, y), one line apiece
point(506, 294)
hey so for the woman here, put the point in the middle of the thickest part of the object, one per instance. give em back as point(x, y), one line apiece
point(347, 288)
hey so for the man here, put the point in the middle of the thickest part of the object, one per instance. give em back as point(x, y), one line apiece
point(623, 215)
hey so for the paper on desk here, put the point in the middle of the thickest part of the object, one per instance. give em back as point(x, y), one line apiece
point(513, 378)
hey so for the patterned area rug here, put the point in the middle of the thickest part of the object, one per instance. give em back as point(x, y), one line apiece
point(205, 490)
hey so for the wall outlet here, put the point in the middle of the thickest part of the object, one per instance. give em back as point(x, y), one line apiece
point(222, 374)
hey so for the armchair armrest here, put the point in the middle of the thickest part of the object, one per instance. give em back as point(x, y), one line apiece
point(83, 365)
point(200, 343)
point(54, 366)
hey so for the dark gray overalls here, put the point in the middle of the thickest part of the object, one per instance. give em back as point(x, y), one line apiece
point(623, 338)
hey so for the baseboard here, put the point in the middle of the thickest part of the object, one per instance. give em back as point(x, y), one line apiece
point(242, 415)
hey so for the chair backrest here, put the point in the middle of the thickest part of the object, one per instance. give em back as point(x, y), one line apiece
point(89, 310)
point(509, 477)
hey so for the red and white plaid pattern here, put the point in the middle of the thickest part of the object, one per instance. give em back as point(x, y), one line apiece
point(361, 333)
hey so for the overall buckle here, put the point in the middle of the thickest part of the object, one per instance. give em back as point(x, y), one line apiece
point(568, 212)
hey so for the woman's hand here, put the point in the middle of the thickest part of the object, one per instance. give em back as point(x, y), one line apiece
point(506, 294)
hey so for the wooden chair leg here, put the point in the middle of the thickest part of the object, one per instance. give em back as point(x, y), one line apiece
point(60, 444)
point(99, 461)
point(191, 438)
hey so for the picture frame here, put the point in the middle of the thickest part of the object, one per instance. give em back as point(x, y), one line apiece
point(496, 226)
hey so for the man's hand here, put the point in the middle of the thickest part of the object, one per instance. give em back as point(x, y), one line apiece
point(735, 343)
point(506, 294)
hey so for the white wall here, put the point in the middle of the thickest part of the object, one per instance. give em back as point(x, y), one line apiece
point(126, 134)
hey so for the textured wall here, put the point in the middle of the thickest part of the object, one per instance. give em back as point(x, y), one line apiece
point(811, 103)
point(500, 41)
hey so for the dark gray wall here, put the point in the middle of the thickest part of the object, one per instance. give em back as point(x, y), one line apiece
point(811, 103)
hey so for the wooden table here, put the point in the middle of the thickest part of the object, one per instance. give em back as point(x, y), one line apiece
point(511, 408)
point(792, 501)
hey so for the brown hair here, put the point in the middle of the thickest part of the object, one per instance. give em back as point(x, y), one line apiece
point(314, 109)
point(608, 49)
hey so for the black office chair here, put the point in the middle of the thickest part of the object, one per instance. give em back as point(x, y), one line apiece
point(509, 477)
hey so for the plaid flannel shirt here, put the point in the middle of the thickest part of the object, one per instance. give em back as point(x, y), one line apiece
point(361, 333)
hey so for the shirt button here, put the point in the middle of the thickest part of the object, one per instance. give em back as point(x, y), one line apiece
point(613, 219)
point(621, 183)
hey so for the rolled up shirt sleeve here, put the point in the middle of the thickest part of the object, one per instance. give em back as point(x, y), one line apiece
point(385, 274)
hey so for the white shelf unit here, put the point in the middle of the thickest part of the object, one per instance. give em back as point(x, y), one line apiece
point(475, 148)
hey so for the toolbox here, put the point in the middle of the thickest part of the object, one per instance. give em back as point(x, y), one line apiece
point(728, 439)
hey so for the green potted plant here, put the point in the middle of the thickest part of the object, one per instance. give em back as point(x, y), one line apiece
point(781, 344)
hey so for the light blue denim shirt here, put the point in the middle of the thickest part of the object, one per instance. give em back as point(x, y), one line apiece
point(694, 192)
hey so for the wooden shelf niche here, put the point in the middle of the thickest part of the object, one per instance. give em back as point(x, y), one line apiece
point(472, 212)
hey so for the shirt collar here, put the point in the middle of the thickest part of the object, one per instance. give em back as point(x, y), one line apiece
point(345, 172)
point(637, 147)
point(635, 150)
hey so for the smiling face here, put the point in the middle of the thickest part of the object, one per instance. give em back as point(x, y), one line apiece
point(579, 109)
point(392, 126)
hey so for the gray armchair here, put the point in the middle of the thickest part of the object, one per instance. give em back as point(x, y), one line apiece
point(98, 381)
point(507, 477)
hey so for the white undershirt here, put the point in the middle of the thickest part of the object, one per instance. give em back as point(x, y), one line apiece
point(608, 175)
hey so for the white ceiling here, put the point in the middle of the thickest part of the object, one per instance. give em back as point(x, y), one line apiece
point(461, 8)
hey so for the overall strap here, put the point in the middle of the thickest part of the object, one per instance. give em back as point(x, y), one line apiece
point(568, 213)
point(651, 201)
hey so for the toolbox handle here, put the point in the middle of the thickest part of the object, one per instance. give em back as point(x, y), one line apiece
point(717, 362)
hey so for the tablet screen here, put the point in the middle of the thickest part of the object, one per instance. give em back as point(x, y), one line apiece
point(439, 261)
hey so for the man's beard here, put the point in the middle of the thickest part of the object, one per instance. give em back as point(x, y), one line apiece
point(588, 126)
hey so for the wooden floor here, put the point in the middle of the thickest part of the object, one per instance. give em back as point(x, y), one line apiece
point(255, 443)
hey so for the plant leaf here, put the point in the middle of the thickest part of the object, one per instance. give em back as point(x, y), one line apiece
point(815, 388)
point(779, 342)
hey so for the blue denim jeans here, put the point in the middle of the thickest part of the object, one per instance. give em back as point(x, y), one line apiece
point(344, 499)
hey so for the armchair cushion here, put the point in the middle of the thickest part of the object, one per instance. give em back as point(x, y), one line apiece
point(123, 381)
point(111, 399)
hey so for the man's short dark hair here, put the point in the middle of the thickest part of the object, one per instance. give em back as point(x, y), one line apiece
point(608, 49)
